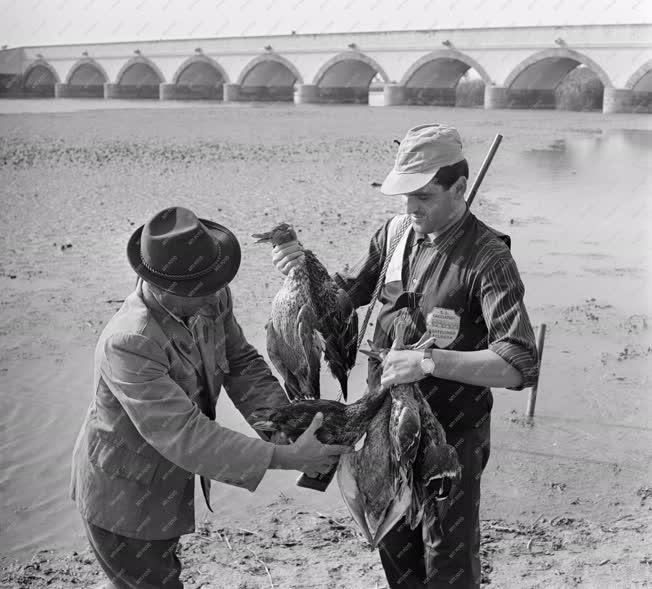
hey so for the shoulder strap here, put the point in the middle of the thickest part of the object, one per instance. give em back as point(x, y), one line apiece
point(506, 239)
point(396, 229)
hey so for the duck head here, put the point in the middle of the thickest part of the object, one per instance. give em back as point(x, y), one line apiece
point(282, 233)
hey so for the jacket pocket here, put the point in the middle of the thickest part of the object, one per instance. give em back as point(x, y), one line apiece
point(120, 462)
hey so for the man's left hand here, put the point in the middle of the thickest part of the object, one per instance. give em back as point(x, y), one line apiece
point(401, 366)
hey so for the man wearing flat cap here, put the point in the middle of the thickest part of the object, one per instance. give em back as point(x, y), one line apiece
point(160, 363)
point(460, 275)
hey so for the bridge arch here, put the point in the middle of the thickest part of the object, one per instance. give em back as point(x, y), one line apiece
point(198, 78)
point(200, 66)
point(347, 77)
point(137, 67)
point(86, 72)
point(139, 77)
point(86, 78)
point(540, 81)
point(269, 77)
point(262, 60)
point(436, 79)
point(450, 54)
point(640, 83)
point(544, 61)
point(39, 79)
point(346, 57)
point(642, 75)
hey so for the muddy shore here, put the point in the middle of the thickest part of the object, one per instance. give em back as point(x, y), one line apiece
point(567, 500)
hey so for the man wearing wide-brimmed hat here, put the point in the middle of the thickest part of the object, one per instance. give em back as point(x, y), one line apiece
point(459, 273)
point(160, 363)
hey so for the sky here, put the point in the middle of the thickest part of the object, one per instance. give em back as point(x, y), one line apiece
point(51, 22)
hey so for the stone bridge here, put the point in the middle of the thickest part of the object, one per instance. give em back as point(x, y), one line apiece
point(519, 67)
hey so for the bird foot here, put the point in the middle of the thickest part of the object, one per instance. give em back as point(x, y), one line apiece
point(426, 341)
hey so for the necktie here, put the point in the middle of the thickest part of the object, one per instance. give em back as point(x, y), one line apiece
point(198, 326)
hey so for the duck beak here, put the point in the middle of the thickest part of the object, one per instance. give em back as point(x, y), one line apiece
point(426, 341)
point(372, 354)
point(264, 426)
point(375, 352)
point(260, 420)
point(262, 237)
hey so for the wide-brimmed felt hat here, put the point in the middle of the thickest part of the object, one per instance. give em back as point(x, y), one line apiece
point(184, 255)
point(422, 152)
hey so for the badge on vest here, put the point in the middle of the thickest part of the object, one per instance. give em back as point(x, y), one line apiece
point(443, 325)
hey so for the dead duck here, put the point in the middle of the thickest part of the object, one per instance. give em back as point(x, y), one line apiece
point(417, 468)
point(369, 481)
point(343, 424)
point(309, 315)
point(376, 482)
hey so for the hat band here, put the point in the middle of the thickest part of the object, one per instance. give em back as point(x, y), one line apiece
point(206, 270)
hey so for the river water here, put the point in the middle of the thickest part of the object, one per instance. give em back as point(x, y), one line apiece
point(575, 198)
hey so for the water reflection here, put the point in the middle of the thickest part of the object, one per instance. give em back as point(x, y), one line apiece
point(612, 147)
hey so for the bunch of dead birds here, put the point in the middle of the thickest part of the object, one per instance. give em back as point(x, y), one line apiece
point(405, 468)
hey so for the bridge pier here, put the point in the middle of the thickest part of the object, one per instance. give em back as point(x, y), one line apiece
point(62, 91)
point(111, 90)
point(393, 94)
point(231, 92)
point(496, 97)
point(306, 94)
point(617, 100)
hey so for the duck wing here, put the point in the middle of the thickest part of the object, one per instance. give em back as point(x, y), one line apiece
point(437, 459)
point(404, 424)
point(338, 320)
point(278, 353)
point(340, 339)
point(369, 483)
point(295, 351)
point(306, 328)
point(384, 486)
point(347, 469)
point(437, 470)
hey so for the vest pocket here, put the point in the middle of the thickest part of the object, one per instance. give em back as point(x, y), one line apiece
point(118, 461)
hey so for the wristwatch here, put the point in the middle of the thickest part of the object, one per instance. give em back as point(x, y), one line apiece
point(427, 363)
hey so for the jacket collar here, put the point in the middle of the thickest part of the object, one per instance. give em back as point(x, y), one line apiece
point(444, 240)
point(201, 333)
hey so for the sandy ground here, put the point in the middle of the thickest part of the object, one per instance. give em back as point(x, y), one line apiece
point(566, 500)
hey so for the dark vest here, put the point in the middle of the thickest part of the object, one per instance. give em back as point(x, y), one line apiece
point(452, 291)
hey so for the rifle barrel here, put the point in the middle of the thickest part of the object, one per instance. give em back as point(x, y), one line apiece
point(483, 169)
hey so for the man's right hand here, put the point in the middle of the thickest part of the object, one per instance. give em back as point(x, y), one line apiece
point(287, 256)
point(308, 454)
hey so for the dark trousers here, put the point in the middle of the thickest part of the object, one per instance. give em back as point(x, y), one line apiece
point(455, 555)
point(135, 564)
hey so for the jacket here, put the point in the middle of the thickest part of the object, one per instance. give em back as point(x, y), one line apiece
point(150, 425)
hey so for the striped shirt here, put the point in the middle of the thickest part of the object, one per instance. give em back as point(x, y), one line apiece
point(467, 280)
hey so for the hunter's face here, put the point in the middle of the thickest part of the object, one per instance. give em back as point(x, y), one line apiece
point(432, 207)
point(186, 306)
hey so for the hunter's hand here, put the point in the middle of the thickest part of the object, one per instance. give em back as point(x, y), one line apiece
point(308, 454)
point(401, 366)
point(280, 438)
point(287, 256)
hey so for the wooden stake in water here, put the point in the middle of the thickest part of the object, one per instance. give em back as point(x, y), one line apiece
point(532, 398)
